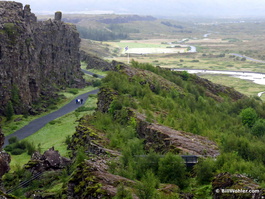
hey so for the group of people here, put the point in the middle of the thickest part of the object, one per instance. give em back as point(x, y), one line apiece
point(79, 101)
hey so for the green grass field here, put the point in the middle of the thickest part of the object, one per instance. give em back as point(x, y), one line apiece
point(19, 121)
point(55, 133)
point(137, 44)
point(220, 60)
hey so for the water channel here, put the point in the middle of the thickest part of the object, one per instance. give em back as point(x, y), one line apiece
point(258, 78)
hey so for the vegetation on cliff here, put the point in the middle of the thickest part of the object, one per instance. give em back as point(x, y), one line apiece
point(126, 149)
point(173, 99)
point(43, 54)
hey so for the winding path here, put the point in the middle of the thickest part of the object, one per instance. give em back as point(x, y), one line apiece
point(37, 124)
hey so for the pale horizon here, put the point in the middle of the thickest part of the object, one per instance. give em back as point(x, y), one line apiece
point(215, 8)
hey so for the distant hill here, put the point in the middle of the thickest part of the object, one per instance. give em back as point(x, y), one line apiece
point(112, 27)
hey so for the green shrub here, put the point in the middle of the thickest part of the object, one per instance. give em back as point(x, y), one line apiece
point(68, 140)
point(52, 122)
point(9, 148)
point(74, 91)
point(205, 170)
point(172, 170)
point(53, 107)
point(31, 148)
point(17, 151)
point(123, 193)
point(83, 109)
point(248, 116)
point(12, 140)
point(9, 111)
point(258, 128)
point(96, 83)
point(15, 95)
point(149, 162)
point(185, 75)
point(146, 189)
point(19, 147)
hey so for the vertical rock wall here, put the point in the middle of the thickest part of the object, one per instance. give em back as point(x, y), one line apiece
point(36, 57)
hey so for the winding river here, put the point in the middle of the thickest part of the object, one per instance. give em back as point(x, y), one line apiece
point(258, 78)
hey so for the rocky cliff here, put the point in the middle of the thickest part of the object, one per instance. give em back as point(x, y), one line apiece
point(94, 62)
point(4, 158)
point(35, 56)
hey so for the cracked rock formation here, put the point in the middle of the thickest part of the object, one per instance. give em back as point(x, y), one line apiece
point(36, 57)
point(4, 157)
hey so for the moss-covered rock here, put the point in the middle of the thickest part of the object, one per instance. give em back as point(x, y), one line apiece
point(227, 186)
point(84, 184)
point(164, 139)
point(105, 97)
point(87, 137)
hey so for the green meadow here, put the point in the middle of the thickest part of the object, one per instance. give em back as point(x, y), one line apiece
point(55, 133)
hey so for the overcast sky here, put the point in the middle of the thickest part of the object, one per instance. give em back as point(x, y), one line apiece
point(225, 8)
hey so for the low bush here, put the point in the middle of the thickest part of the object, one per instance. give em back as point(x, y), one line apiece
point(74, 91)
point(83, 109)
point(12, 140)
point(68, 140)
point(17, 151)
point(96, 83)
point(19, 147)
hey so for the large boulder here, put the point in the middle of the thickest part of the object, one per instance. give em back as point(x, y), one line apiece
point(49, 161)
point(164, 139)
point(92, 180)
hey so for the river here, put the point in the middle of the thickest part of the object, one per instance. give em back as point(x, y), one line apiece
point(257, 78)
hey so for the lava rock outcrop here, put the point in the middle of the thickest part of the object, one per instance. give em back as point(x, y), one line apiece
point(35, 56)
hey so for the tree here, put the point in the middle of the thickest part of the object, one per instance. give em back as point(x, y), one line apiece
point(172, 170)
point(258, 128)
point(146, 189)
point(248, 116)
point(205, 170)
point(185, 75)
point(9, 112)
point(123, 193)
point(15, 95)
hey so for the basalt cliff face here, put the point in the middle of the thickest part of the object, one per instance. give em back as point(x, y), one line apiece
point(36, 57)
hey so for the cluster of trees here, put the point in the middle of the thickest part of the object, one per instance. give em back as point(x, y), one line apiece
point(167, 23)
point(237, 127)
point(12, 103)
point(121, 29)
point(100, 35)
point(174, 100)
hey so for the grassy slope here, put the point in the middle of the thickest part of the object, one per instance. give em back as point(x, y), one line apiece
point(224, 38)
point(191, 111)
point(161, 102)
point(54, 133)
point(19, 121)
